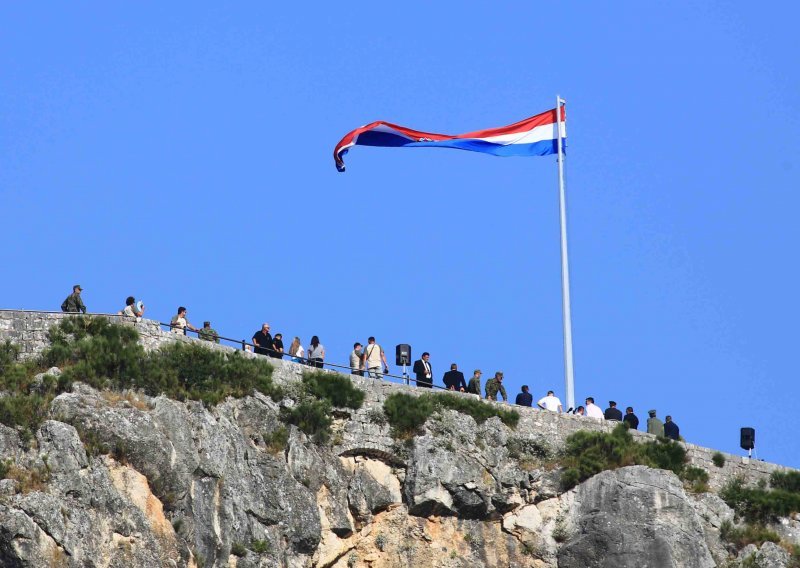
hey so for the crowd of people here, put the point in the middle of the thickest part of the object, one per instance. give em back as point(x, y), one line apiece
point(371, 361)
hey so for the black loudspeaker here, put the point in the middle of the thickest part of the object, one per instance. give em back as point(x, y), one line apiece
point(748, 441)
point(403, 354)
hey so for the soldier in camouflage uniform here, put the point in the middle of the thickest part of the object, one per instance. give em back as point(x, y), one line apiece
point(474, 386)
point(494, 385)
point(208, 333)
point(73, 304)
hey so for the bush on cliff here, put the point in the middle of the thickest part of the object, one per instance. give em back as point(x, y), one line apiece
point(759, 505)
point(588, 453)
point(25, 403)
point(319, 394)
point(336, 388)
point(193, 372)
point(407, 413)
point(108, 356)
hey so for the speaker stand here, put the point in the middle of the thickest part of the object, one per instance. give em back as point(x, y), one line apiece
point(405, 374)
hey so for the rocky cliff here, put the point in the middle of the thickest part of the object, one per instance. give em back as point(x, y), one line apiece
point(122, 479)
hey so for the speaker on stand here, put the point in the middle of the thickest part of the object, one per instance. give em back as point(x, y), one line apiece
point(403, 358)
point(747, 440)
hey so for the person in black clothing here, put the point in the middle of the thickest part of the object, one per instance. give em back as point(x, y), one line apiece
point(423, 372)
point(525, 398)
point(630, 419)
point(277, 346)
point(671, 429)
point(454, 379)
point(612, 412)
point(263, 341)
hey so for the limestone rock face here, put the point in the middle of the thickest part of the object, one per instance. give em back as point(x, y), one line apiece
point(126, 480)
point(634, 517)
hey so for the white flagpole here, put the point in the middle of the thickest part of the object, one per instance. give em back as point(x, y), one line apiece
point(569, 376)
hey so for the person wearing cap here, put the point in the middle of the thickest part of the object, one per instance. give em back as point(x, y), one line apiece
point(612, 412)
point(474, 386)
point(74, 304)
point(551, 402)
point(208, 333)
point(654, 425)
point(592, 410)
point(630, 419)
point(494, 385)
point(671, 429)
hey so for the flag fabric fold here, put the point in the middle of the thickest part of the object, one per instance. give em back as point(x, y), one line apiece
point(534, 136)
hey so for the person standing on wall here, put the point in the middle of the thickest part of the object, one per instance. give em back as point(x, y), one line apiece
point(74, 304)
point(592, 410)
point(373, 355)
point(131, 309)
point(296, 350)
point(316, 353)
point(454, 379)
point(474, 386)
point(179, 323)
point(630, 419)
point(524, 398)
point(551, 402)
point(277, 346)
point(612, 412)
point(357, 360)
point(671, 429)
point(495, 385)
point(262, 339)
point(423, 371)
point(654, 425)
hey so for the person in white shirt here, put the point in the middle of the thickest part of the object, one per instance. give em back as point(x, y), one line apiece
point(551, 402)
point(592, 410)
point(132, 309)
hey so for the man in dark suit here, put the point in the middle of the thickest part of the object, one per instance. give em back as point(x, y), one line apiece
point(454, 379)
point(422, 369)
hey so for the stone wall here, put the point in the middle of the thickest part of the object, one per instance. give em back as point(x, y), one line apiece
point(362, 434)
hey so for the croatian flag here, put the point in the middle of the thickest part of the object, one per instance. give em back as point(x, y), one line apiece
point(534, 136)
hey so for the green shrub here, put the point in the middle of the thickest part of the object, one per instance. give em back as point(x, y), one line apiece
point(697, 479)
point(94, 351)
point(407, 414)
point(9, 353)
point(588, 453)
point(4, 466)
point(718, 459)
point(276, 440)
point(480, 411)
point(25, 410)
point(190, 371)
point(338, 389)
point(758, 505)
point(238, 549)
point(740, 537)
point(312, 417)
point(786, 480)
point(259, 546)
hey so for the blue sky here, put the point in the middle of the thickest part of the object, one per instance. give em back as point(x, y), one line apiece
point(183, 155)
